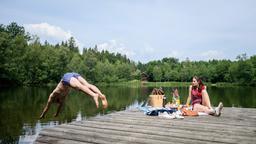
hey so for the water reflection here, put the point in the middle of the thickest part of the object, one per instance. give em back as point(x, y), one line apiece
point(20, 107)
point(29, 132)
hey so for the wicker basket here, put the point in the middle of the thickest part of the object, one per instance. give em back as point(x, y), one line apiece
point(156, 100)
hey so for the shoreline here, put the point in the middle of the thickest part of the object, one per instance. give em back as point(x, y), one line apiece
point(136, 83)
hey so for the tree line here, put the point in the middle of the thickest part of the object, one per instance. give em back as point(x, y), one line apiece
point(242, 71)
point(27, 61)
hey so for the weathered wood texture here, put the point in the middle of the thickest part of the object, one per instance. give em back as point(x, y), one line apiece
point(236, 125)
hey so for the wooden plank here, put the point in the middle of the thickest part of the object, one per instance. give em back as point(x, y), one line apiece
point(179, 133)
point(38, 142)
point(126, 132)
point(62, 134)
point(179, 124)
point(184, 135)
point(54, 140)
point(87, 136)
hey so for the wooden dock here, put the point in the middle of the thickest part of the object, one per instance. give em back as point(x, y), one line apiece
point(236, 125)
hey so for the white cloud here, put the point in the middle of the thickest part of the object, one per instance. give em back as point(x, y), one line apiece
point(51, 33)
point(148, 49)
point(212, 54)
point(45, 29)
point(174, 54)
point(115, 46)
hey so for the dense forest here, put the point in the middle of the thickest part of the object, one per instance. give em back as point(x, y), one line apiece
point(27, 61)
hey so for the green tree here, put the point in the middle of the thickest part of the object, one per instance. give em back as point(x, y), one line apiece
point(157, 73)
point(105, 72)
point(123, 70)
point(71, 44)
point(13, 43)
point(242, 72)
point(76, 64)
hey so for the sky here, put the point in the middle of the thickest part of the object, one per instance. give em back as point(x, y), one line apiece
point(143, 30)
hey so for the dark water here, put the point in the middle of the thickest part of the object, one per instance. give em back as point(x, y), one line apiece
point(21, 107)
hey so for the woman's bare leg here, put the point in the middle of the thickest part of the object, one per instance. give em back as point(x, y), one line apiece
point(206, 100)
point(75, 83)
point(96, 90)
point(201, 108)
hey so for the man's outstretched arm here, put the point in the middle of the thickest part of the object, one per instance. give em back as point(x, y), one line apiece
point(61, 102)
point(49, 102)
point(58, 110)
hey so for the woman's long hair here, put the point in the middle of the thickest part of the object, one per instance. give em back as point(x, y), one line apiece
point(200, 84)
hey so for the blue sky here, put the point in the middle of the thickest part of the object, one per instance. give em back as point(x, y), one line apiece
point(144, 30)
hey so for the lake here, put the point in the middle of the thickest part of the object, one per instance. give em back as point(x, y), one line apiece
point(20, 107)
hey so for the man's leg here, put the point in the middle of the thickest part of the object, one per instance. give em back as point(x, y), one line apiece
point(75, 83)
point(94, 89)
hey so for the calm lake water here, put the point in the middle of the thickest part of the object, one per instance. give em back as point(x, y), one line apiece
point(20, 107)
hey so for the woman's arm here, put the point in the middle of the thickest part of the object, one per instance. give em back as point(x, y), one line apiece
point(189, 96)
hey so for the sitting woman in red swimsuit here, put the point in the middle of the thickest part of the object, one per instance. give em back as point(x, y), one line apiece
point(76, 81)
point(200, 98)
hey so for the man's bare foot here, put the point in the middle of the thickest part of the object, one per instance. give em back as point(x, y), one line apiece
point(96, 100)
point(104, 101)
